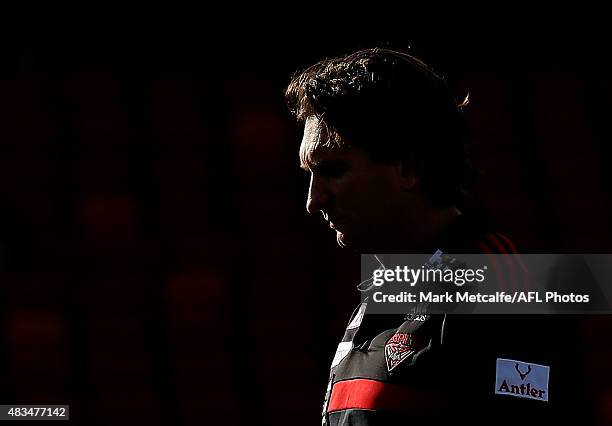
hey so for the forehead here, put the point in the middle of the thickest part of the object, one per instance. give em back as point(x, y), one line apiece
point(318, 146)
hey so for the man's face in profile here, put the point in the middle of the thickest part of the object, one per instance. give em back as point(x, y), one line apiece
point(358, 198)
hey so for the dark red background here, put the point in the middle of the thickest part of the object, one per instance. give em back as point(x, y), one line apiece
point(158, 265)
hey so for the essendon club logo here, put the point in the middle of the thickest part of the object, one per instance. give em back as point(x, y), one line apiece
point(398, 348)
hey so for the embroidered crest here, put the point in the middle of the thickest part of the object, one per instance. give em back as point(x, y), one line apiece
point(398, 348)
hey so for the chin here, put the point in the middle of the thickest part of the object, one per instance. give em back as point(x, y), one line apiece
point(341, 239)
point(347, 242)
point(359, 243)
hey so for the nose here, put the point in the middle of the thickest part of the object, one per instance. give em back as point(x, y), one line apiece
point(318, 195)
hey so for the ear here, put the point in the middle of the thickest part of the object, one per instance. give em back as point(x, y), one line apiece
point(408, 176)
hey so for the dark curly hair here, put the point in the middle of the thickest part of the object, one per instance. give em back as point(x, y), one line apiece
point(395, 107)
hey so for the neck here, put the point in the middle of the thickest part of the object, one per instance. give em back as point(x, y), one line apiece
point(419, 233)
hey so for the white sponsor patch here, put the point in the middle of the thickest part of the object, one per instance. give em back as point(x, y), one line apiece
point(356, 322)
point(521, 379)
point(343, 349)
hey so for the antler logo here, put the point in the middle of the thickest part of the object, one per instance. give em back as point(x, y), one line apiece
point(523, 375)
point(521, 379)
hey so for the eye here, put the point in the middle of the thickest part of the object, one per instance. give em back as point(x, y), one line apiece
point(331, 170)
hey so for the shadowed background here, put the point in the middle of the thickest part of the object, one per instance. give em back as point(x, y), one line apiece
point(157, 263)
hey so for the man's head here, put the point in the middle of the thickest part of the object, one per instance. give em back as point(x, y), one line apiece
point(384, 141)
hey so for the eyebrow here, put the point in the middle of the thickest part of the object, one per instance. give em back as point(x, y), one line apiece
point(314, 165)
point(306, 162)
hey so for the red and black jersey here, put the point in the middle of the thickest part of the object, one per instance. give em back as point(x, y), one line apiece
point(402, 369)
